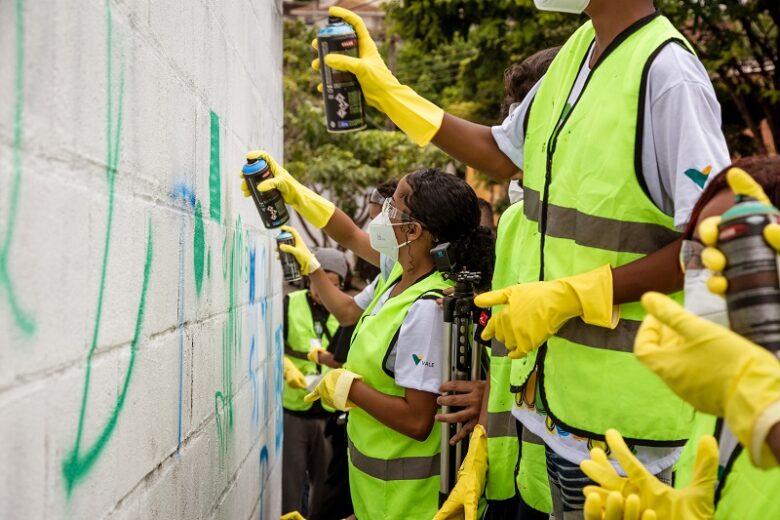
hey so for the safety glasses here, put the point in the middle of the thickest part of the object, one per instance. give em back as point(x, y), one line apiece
point(376, 198)
point(395, 214)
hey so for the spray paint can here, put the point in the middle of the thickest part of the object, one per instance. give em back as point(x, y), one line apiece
point(344, 103)
point(270, 204)
point(290, 268)
point(753, 294)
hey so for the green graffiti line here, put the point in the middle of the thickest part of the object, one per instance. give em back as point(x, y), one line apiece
point(22, 319)
point(215, 193)
point(79, 461)
point(233, 267)
point(77, 464)
point(199, 247)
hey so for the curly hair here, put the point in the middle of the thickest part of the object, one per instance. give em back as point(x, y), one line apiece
point(448, 208)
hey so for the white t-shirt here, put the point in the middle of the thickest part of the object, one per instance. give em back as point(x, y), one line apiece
point(364, 297)
point(682, 141)
point(416, 356)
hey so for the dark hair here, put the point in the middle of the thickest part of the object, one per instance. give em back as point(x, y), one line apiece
point(387, 188)
point(765, 170)
point(449, 210)
point(519, 78)
point(485, 208)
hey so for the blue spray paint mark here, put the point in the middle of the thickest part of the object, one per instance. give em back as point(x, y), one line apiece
point(252, 256)
point(263, 460)
point(182, 193)
point(253, 380)
point(279, 347)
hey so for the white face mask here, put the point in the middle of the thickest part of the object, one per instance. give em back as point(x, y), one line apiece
point(698, 299)
point(382, 236)
point(562, 6)
point(515, 192)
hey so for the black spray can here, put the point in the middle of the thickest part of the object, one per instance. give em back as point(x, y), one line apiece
point(290, 268)
point(270, 204)
point(344, 103)
point(753, 293)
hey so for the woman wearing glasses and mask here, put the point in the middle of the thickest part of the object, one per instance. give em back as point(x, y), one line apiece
point(391, 379)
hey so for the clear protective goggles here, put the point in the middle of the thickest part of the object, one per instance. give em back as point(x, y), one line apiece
point(376, 198)
point(394, 214)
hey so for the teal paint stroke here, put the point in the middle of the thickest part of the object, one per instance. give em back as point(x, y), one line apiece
point(79, 462)
point(21, 318)
point(198, 247)
point(234, 256)
point(215, 192)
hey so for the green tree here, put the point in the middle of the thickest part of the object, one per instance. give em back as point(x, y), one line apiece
point(739, 43)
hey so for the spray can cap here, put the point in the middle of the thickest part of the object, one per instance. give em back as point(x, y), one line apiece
point(748, 206)
point(254, 167)
point(284, 235)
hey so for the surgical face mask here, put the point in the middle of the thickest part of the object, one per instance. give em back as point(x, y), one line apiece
point(562, 6)
point(382, 236)
point(515, 192)
point(698, 299)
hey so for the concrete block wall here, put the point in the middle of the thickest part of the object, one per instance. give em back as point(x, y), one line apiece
point(140, 297)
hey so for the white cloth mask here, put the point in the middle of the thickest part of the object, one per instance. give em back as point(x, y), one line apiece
point(515, 192)
point(382, 236)
point(698, 298)
point(562, 6)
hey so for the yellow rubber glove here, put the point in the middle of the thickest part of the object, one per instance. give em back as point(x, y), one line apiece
point(301, 252)
point(415, 116)
point(314, 354)
point(333, 389)
point(295, 515)
point(714, 369)
point(695, 502)
point(615, 507)
point(463, 501)
point(535, 311)
point(314, 208)
point(292, 375)
point(741, 183)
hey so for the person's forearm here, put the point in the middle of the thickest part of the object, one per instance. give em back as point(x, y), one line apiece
point(773, 441)
point(341, 305)
point(473, 144)
point(395, 412)
point(348, 235)
point(658, 271)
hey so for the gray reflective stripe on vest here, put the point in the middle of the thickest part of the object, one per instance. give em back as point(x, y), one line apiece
point(406, 468)
point(620, 339)
point(531, 438)
point(498, 349)
point(501, 424)
point(296, 354)
point(598, 232)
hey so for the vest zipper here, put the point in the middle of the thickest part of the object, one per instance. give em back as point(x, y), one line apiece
point(551, 145)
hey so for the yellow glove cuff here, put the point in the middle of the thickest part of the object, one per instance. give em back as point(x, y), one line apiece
point(341, 393)
point(314, 354)
point(760, 453)
point(594, 291)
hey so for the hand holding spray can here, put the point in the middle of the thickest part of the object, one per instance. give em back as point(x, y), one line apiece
point(344, 103)
point(270, 204)
point(290, 268)
point(753, 293)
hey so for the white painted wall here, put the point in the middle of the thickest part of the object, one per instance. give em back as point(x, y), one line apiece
point(118, 401)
